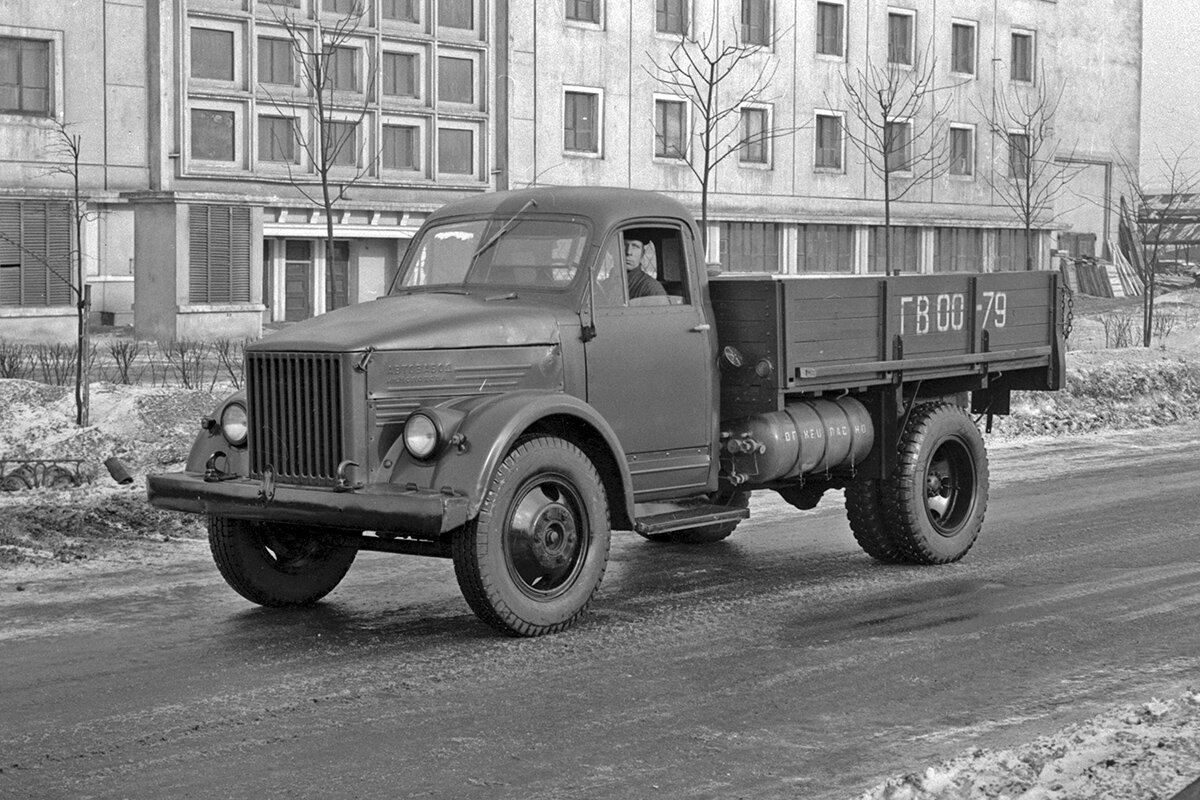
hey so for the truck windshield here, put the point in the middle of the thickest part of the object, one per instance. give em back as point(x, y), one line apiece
point(534, 253)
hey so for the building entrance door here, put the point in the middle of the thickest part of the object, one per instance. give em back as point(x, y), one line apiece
point(298, 280)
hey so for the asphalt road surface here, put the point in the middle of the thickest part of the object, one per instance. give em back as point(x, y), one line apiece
point(781, 663)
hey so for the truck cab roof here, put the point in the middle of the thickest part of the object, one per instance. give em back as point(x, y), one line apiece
point(604, 206)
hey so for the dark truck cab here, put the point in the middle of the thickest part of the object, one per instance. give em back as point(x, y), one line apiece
point(508, 405)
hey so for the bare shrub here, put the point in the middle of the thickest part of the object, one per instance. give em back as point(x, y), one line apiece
point(188, 360)
point(16, 361)
point(1118, 329)
point(55, 363)
point(231, 356)
point(124, 353)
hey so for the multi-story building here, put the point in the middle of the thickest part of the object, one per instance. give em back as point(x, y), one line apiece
point(586, 107)
point(197, 121)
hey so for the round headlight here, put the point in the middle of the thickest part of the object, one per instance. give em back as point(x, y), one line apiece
point(420, 435)
point(233, 424)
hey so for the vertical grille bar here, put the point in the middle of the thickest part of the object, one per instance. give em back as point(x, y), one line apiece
point(296, 416)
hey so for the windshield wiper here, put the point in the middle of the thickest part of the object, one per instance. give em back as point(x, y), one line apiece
point(503, 229)
point(506, 296)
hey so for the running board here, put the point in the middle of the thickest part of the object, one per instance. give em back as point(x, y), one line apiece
point(690, 517)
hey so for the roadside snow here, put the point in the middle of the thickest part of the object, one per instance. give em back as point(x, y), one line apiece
point(1139, 752)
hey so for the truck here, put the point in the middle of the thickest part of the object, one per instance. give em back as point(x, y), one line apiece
point(508, 404)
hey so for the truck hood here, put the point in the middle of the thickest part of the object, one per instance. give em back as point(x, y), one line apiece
point(423, 322)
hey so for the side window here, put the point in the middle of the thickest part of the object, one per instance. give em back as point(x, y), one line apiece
point(660, 252)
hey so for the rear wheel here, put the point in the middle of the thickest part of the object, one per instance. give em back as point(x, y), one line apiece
point(532, 560)
point(279, 565)
point(937, 497)
point(864, 510)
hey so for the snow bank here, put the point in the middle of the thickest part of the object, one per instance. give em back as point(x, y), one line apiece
point(1146, 751)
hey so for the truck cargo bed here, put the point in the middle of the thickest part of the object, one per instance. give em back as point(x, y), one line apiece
point(805, 335)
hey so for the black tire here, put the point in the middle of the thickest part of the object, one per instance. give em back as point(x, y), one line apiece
point(279, 565)
point(707, 534)
point(864, 510)
point(532, 560)
point(937, 497)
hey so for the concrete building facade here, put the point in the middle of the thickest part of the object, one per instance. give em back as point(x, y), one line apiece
point(193, 113)
point(806, 201)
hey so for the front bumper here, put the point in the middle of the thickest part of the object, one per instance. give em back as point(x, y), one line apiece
point(420, 513)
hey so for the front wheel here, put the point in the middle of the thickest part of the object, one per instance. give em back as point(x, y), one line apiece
point(938, 494)
point(531, 561)
point(279, 565)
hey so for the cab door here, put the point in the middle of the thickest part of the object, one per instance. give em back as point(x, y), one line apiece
point(649, 366)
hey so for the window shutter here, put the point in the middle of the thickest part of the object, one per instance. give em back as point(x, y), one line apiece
point(58, 252)
point(10, 254)
point(219, 255)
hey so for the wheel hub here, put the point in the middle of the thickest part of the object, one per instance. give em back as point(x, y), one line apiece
point(553, 536)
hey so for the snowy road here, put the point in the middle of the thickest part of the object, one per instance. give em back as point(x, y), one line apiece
point(783, 663)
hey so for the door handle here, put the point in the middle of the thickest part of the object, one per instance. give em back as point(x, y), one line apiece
point(703, 326)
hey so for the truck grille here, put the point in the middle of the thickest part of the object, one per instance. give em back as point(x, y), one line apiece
point(295, 410)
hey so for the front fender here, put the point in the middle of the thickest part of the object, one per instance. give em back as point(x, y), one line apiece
point(491, 427)
point(209, 441)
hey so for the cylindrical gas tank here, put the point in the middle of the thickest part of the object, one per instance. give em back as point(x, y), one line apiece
point(806, 437)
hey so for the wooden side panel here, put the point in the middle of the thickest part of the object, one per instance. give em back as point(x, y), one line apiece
point(849, 332)
point(747, 313)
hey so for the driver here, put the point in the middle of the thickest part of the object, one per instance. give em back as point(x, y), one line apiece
point(638, 256)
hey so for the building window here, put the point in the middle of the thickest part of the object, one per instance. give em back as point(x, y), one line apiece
point(24, 76)
point(275, 62)
point(749, 247)
point(400, 75)
point(583, 10)
point(581, 122)
point(277, 139)
point(341, 143)
point(213, 135)
point(754, 136)
point(962, 48)
point(897, 146)
point(825, 248)
point(958, 250)
point(212, 54)
point(456, 80)
point(343, 7)
point(900, 37)
point(457, 14)
point(343, 69)
point(218, 254)
point(401, 147)
point(1022, 57)
point(456, 151)
point(831, 27)
point(399, 10)
point(670, 128)
point(828, 142)
point(35, 254)
point(1018, 155)
point(756, 22)
point(671, 16)
point(905, 244)
point(962, 150)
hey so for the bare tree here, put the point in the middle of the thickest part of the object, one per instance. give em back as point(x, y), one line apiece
point(702, 70)
point(899, 129)
point(1148, 217)
point(1036, 174)
point(322, 53)
point(69, 147)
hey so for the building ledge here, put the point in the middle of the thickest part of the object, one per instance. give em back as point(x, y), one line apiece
point(223, 308)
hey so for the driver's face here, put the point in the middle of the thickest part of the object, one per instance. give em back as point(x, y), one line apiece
point(633, 254)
